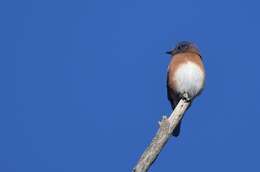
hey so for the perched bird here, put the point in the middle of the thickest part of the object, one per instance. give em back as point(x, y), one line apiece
point(185, 76)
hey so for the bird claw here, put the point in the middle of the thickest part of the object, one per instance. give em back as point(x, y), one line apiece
point(186, 97)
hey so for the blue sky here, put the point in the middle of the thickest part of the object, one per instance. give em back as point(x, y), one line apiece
point(84, 84)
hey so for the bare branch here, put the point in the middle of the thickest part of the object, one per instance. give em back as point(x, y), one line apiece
point(167, 125)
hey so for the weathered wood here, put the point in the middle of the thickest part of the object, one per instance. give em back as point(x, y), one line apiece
point(167, 125)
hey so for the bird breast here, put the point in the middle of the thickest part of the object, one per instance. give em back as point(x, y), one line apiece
point(189, 78)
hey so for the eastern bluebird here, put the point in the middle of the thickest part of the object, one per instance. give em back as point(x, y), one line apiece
point(185, 76)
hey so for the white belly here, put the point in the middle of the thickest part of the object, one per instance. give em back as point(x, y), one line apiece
point(189, 78)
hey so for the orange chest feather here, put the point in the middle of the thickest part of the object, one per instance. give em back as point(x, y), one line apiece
point(180, 59)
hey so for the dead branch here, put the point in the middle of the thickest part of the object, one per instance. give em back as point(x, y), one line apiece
point(167, 125)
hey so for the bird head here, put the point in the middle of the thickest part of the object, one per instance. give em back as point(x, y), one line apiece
point(184, 47)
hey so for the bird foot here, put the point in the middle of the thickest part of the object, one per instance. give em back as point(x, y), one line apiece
point(186, 97)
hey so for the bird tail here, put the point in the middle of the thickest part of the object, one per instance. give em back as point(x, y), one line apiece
point(177, 130)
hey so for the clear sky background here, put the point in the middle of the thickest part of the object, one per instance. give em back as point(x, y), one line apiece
point(83, 84)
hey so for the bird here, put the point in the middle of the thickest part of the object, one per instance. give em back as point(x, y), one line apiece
point(185, 75)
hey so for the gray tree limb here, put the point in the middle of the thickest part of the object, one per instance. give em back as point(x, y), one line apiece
point(167, 125)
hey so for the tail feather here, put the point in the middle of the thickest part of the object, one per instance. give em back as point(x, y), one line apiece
point(177, 130)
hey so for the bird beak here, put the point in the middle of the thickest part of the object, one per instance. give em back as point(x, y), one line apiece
point(169, 52)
